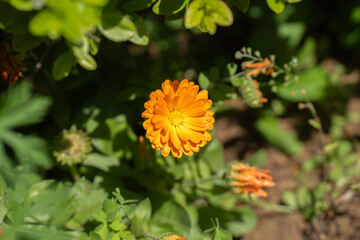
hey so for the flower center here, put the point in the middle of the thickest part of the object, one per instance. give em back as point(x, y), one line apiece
point(176, 118)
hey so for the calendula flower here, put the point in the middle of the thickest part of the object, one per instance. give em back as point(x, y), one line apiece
point(246, 179)
point(71, 146)
point(170, 236)
point(178, 118)
point(10, 68)
point(265, 67)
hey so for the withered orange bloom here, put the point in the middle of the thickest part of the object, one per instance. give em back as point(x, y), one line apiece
point(172, 237)
point(10, 68)
point(178, 118)
point(259, 93)
point(246, 179)
point(264, 67)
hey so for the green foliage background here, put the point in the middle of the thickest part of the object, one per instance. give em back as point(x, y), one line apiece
point(93, 63)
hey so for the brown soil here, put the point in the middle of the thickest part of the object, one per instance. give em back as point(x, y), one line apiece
point(240, 141)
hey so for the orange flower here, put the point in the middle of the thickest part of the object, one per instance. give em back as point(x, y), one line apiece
point(172, 237)
point(10, 69)
point(258, 68)
point(246, 179)
point(178, 118)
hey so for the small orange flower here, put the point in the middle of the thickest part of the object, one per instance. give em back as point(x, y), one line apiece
point(10, 69)
point(172, 237)
point(178, 118)
point(264, 67)
point(246, 179)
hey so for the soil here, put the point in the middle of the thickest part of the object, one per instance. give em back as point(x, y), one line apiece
point(235, 129)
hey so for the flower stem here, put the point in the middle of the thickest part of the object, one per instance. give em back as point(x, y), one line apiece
point(74, 173)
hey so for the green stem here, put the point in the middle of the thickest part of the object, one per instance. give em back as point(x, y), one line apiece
point(74, 173)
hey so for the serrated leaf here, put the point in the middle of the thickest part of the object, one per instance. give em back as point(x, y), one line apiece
point(62, 65)
point(19, 108)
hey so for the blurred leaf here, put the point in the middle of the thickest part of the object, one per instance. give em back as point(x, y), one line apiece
point(165, 7)
point(204, 81)
point(102, 162)
point(46, 23)
point(237, 222)
point(139, 223)
point(306, 56)
point(63, 65)
point(36, 190)
point(289, 198)
point(270, 128)
point(213, 155)
point(276, 5)
point(311, 86)
point(170, 217)
point(258, 159)
point(28, 5)
point(242, 5)
point(117, 26)
point(293, 32)
point(315, 124)
point(137, 5)
point(25, 42)
point(141, 36)
point(221, 234)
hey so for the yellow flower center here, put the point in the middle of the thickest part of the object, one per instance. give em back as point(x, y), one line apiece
point(176, 117)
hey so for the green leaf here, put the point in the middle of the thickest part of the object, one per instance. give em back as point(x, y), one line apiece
point(205, 14)
point(141, 35)
point(81, 52)
point(28, 5)
point(117, 26)
point(62, 65)
point(19, 108)
point(315, 124)
point(237, 222)
point(142, 214)
point(165, 7)
point(213, 155)
point(137, 5)
point(270, 128)
point(170, 217)
point(289, 198)
point(109, 206)
point(277, 6)
point(311, 86)
point(46, 23)
point(25, 42)
point(222, 234)
point(36, 190)
point(102, 162)
point(204, 81)
point(242, 5)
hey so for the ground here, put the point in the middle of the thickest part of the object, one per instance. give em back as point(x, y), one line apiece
point(236, 131)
